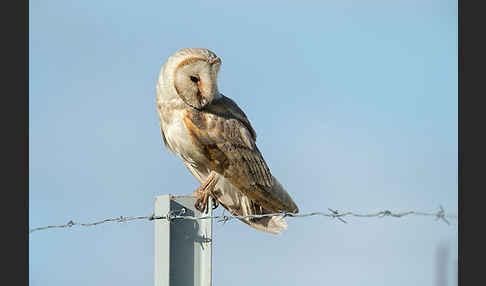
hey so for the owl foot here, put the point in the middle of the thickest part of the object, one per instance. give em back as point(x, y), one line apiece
point(202, 202)
point(204, 192)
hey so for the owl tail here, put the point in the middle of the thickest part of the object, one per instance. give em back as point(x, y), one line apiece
point(273, 225)
point(233, 200)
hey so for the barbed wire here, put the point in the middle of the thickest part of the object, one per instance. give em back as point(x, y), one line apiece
point(334, 214)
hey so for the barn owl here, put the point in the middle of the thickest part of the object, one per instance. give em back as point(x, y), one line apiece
point(216, 142)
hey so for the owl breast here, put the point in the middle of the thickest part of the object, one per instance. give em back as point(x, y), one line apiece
point(182, 142)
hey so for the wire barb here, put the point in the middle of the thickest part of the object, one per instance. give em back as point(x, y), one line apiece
point(441, 215)
point(181, 214)
point(335, 214)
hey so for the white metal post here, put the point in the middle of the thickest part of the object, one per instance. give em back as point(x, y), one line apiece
point(183, 247)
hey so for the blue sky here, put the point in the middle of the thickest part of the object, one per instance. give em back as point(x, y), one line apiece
point(354, 104)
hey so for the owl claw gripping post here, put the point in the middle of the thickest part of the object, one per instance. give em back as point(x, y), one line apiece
point(215, 141)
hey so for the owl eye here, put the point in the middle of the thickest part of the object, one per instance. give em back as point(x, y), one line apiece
point(194, 79)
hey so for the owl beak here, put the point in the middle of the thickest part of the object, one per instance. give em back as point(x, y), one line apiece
point(205, 99)
point(207, 92)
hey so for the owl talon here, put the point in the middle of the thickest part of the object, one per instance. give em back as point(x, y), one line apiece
point(204, 192)
point(215, 203)
point(201, 203)
point(196, 204)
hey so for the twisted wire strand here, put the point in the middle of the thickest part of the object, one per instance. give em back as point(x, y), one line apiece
point(175, 215)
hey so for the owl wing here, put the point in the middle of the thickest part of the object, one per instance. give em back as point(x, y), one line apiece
point(225, 134)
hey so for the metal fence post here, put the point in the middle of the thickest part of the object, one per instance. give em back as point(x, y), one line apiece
point(183, 247)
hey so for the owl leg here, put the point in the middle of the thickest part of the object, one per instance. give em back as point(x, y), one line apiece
point(202, 202)
point(199, 191)
point(205, 191)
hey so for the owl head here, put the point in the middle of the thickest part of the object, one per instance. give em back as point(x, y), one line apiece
point(190, 75)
